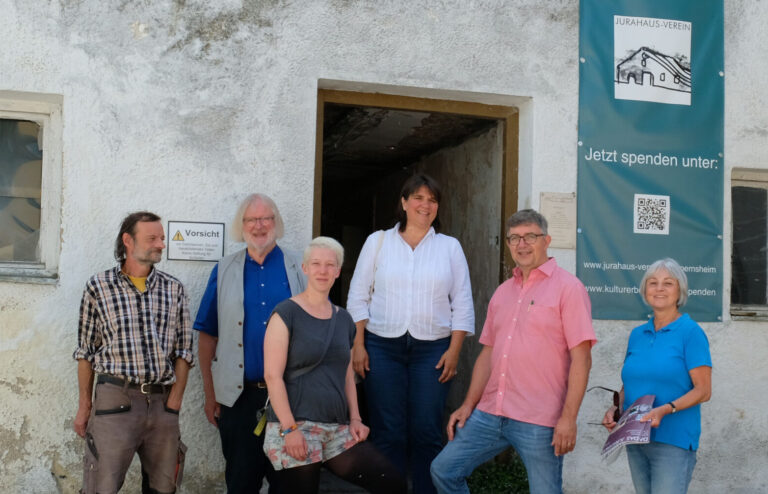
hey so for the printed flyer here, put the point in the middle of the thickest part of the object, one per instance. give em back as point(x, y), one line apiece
point(629, 429)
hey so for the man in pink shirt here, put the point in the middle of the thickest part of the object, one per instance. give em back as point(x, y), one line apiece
point(529, 379)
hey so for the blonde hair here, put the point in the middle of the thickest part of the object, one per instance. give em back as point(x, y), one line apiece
point(325, 243)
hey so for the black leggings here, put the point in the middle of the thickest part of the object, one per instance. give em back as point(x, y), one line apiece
point(362, 465)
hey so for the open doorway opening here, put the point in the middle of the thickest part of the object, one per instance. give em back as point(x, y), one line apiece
point(369, 143)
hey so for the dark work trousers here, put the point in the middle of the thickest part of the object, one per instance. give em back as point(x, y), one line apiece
point(246, 462)
point(123, 422)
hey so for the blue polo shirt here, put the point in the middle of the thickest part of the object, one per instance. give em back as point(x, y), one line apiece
point(264, 286)
point(658, 363)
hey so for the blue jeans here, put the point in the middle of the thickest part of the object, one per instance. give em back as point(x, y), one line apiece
point(485, 436)
point(406, 402)
point(659, 468)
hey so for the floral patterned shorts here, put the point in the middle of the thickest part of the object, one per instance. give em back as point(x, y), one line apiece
point(324, 441)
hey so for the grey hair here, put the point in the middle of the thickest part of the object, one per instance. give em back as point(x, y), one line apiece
point(673, 268)
point(237, 223)
point(325, 243)
point(527, 217)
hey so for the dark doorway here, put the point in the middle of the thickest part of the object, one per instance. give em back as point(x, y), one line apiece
point(368, 144)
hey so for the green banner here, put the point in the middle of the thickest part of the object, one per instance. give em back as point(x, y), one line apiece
point(650, 151)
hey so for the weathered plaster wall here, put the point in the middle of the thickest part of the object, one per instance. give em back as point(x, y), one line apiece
point(184, 106)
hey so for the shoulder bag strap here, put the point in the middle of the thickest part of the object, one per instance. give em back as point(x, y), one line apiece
point(375, 262)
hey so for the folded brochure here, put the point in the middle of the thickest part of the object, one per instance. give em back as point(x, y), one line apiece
point(629, 429)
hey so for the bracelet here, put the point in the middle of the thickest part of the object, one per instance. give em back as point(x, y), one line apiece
point(290, 429)
point(672, 404)
point(358, 419)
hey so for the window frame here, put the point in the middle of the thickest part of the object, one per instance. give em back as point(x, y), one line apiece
point(758, 179)
point(46, 111)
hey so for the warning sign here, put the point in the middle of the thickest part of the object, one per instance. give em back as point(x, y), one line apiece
point(195, 241)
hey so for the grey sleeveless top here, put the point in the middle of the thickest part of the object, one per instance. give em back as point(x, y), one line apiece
point(319, 394)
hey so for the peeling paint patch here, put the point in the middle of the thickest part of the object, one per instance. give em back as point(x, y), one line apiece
point(754, 131)
point(68, 480)
point(139, 30)
point(13, 445)
point(225, 25)
point(566, 13)
point(71, 3)
point(19, 387)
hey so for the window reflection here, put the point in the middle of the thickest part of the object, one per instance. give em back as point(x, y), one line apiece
point(20, 181)
point(750, 245)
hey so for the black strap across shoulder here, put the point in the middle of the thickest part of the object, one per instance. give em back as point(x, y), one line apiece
point(295, 373)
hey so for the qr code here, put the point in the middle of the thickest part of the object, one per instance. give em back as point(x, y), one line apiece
point(652, 214)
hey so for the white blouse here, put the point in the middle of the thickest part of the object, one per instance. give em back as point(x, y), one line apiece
point(425, 291)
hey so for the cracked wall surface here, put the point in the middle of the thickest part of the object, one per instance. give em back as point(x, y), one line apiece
point(185, 106)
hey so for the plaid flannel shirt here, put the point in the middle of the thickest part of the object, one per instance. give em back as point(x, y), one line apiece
point(134, 335)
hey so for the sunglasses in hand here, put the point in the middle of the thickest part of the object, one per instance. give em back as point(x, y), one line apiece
point(616, 403)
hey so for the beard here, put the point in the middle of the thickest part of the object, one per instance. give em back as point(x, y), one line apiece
point(150, 257)
point(261, 244)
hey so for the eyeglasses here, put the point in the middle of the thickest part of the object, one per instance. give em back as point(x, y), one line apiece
point(616, 403)
point(265, 220)
point(528, 238)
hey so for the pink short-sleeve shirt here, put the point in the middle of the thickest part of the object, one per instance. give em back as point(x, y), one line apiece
point(532, 329)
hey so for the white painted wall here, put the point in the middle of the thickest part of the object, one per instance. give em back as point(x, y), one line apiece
point(184, 106)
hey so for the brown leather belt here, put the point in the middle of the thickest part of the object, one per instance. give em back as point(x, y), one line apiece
point(256, 384)
point(144, 388)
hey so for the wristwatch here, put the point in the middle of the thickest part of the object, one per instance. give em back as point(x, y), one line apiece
point(672, 404)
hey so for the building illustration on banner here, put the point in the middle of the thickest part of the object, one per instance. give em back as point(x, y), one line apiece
point(652, 60)
point(657, 69)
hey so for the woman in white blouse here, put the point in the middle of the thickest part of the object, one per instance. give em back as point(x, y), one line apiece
point(411, 301)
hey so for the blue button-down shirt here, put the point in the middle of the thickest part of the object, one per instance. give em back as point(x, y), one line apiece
point(264, 286)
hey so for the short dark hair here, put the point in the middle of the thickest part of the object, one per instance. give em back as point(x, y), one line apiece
point(129, 226)
point(409, 187)
point(527, 217)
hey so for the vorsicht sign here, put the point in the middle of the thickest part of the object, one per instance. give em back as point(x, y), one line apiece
point(195, 241)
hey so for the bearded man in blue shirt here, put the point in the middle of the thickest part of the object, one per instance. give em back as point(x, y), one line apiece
point(242, 291)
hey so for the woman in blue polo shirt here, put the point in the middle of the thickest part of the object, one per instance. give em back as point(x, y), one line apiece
point(667, 357)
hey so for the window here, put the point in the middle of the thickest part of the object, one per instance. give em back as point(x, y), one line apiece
point(30, 186)
point(749, 257)
point(21, 163)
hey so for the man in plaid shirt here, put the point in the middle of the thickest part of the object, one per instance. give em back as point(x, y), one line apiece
point(135, 336)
